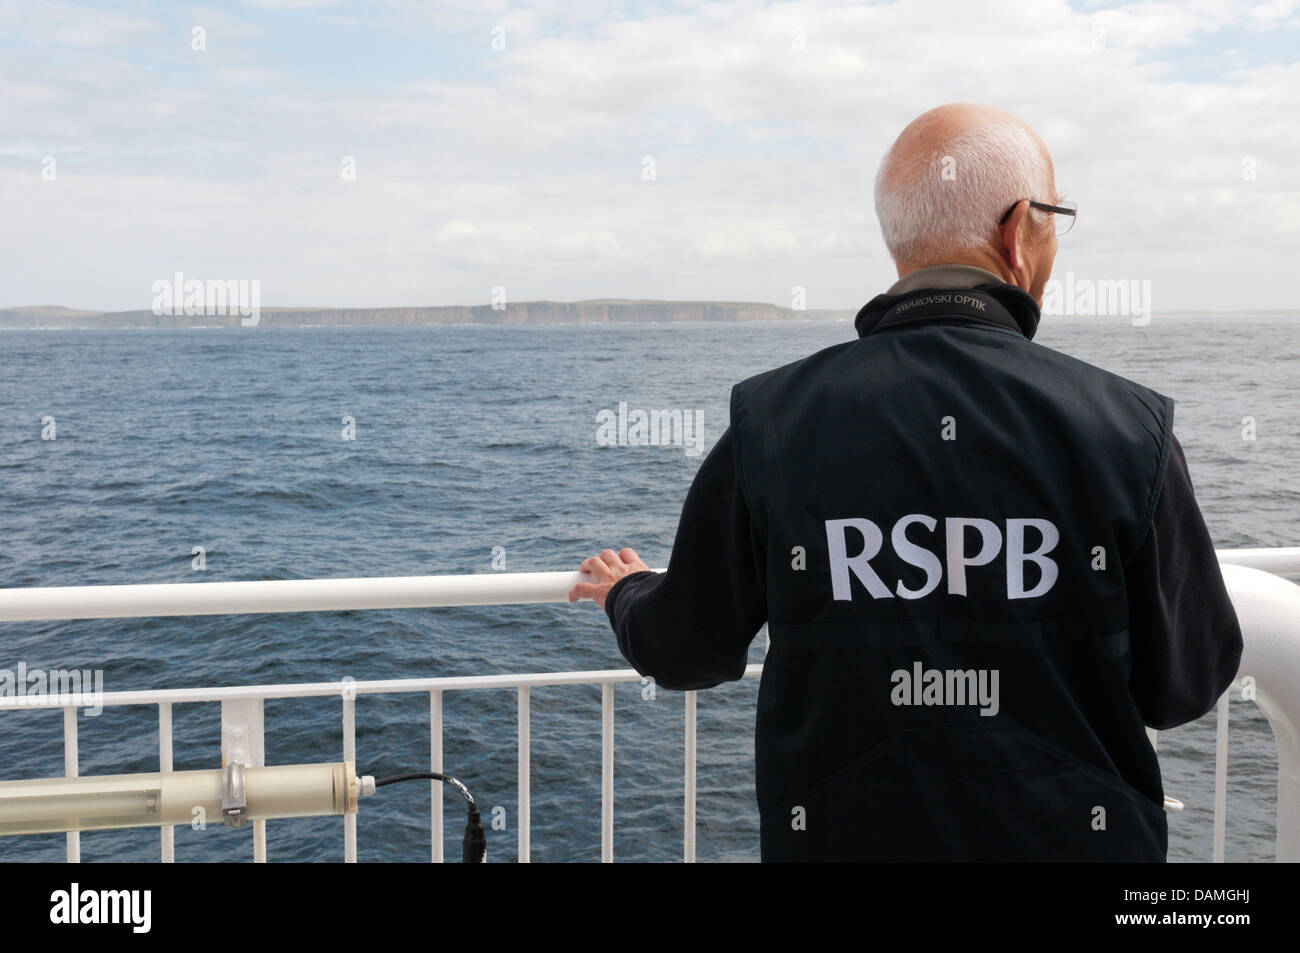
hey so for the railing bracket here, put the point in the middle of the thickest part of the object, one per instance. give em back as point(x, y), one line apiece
point(234, 800)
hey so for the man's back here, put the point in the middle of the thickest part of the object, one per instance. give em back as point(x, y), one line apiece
point(979, 660)
point(951, 533)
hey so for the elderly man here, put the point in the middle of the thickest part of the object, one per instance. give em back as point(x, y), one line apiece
point(980, 561)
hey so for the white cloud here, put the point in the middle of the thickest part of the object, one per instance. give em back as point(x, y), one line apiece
point(462, 242)
point(75, 25)
point(529, 171)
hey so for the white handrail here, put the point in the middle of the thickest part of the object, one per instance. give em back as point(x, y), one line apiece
point(344, 687)
point(289, 595)
point(153, 600)
point(1281, 560)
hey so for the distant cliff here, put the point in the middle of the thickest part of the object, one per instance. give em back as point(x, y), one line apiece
point(602, 311)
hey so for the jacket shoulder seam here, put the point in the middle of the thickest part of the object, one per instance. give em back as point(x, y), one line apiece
point(1158, 480)
point(738, 459)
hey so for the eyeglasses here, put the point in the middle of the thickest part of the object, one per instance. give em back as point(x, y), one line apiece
point(1063, 215)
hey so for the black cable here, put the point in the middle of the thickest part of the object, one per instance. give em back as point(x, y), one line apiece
point(430, 776)
point(474, 846)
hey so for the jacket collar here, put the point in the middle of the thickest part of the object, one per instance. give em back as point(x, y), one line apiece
point(946, 277)
point(995, 301)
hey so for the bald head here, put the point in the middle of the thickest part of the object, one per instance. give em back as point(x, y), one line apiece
point(950, 176)
point(930, 133)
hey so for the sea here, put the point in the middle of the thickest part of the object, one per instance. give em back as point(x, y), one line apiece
point(211, 454)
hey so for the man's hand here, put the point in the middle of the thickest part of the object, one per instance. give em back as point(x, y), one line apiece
point(607, 568)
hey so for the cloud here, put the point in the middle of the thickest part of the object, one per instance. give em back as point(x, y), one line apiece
point(524, 165)
point(461, 241)
point(75, 25)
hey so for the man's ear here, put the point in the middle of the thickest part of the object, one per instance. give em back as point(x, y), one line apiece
point(1013, 236)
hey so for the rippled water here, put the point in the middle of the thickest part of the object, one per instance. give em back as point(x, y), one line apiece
point(470, 438)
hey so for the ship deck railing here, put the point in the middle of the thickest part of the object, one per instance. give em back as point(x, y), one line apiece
point(1268, 607)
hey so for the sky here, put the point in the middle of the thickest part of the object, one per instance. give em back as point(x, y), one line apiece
point(395, 153)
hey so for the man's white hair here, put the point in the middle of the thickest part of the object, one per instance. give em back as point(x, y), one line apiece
point(933, 206)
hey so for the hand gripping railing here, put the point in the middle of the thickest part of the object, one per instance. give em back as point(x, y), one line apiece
point(1269, 609)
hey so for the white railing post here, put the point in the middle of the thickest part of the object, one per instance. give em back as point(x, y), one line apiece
point(243, 742)
point(349, 754)
point(165, 765)
point(606, 772)
point(435, 765)
point(525, 758)
point(70, 771)
point(1221, 777)
point(688, 835)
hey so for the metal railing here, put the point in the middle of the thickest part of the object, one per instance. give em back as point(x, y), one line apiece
point(1268, 606)
point(235, 722)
